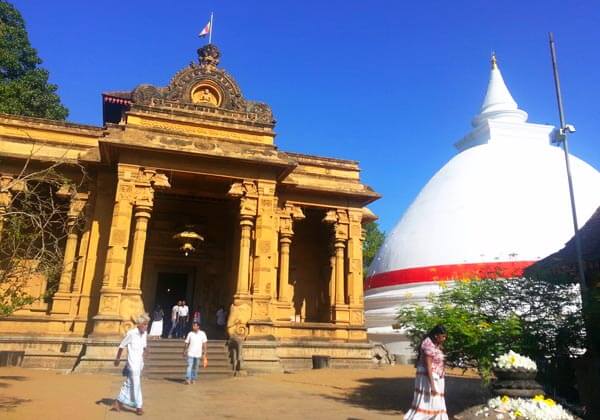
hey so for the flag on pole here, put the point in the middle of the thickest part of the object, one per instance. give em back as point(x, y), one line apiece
point(206, 30)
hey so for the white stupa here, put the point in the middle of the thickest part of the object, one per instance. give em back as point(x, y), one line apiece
point(496, 207)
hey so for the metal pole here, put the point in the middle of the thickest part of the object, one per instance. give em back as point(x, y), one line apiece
point(562, 137)
point(211, 28)
point(593, 405)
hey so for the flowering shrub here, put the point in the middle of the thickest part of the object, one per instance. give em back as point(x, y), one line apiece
point(486, 318)
point(536, 408)
point(514, 361)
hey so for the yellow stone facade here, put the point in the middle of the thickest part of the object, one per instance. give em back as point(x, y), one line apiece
point(282, 232)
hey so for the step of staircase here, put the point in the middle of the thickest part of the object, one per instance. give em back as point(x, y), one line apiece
point(165, 360)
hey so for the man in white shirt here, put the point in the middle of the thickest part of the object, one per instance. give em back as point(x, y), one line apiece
point(184, 317)
point(135, 341)
point(195, 347)
point(174, 319)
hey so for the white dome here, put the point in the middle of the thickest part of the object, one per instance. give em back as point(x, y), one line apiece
point(498, 206)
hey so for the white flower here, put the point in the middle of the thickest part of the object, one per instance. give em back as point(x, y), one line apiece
point(537, 408)
point(512, 360)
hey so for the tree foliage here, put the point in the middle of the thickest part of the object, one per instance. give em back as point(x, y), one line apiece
point(24, 86)
point(486, 318)
point(374, 238)
point(33, 232)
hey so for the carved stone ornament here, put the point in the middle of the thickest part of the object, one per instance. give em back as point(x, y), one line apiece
point(247, 192)
point(243, 189)
point(209, 57)
point(78, 203)
point(237, 324)
point(203, 84)
point(330, 217)
point(287, 215)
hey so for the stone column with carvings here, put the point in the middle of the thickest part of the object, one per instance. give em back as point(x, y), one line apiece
point(287, 216)
point(146, 183)
point(355, 267)
point(243, 277)
point(264, 272)
point(240, 311)
point(117, 303)
point(61, 301)
point(339, 219)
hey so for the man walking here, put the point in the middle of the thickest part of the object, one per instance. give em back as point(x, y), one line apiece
point(174, 319)
point(184, 317)
point(195, 348)
point(135, 342)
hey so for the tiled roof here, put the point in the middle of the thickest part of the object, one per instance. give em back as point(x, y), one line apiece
point(590, 246)
point(117, 97)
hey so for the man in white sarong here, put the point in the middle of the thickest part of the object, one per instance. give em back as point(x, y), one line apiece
point(135, 342)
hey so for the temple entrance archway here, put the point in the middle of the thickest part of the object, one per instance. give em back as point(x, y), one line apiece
point(205, 276)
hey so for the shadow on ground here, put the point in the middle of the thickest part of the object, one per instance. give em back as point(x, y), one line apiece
point(4, 380)
point(7, 402)
point(395, 394)
point(107, 402)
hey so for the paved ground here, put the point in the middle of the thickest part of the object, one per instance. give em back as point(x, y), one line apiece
point(323, 394)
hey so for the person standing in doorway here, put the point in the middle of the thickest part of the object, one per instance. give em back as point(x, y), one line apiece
point(135, 342)
point(156, 329)
point(221, 320)
point(184, 317)
point(174, 319)
point(197, 315)
point(195, 348)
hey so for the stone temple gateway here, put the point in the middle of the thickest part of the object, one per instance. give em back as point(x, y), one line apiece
point(277, 235)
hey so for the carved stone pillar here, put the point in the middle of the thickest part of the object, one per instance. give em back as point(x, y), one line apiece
point(118, 301)
point(285, 241)
point(142, 215)
point(287, 216)
point(246, 225)
point(61, 301)
point(355, 267)
point(264, 261)
point(241, 310)
point(332, 276)
point(340, 295)
point(339, 219)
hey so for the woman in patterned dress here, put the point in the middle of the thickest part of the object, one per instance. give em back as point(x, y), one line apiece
point(428, 400)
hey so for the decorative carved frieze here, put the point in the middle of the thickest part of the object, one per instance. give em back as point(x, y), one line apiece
point(340, 221)
point(247, 192)
point(204, 78)
point(288, 214)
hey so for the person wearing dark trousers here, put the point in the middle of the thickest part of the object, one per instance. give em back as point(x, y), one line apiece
point(184, 317)
point(174, 319)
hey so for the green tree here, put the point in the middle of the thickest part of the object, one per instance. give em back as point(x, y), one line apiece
point(374, 238)
point(24, 87)
point(486, 318)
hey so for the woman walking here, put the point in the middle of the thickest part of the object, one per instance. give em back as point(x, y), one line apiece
point(428, 401)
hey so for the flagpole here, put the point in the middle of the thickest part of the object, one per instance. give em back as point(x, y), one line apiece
point(211, 27)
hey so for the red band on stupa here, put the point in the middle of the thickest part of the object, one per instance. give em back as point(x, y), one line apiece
point(447, 272)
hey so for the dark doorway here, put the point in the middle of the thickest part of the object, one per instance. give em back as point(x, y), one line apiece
point(170, 288)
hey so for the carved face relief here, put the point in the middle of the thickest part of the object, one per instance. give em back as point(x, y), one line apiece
point(206, 93)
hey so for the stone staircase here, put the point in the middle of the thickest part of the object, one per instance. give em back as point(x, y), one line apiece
point(165, 360)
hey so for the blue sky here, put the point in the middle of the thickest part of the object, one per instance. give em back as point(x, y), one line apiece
point(392, 84)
